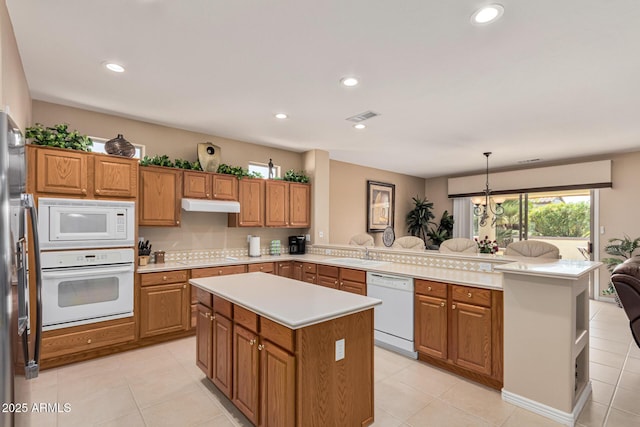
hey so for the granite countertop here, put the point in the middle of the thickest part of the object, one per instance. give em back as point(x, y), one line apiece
point(461, 277)
point(289, 302)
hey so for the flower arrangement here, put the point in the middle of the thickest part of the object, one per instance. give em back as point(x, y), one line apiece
point(486, 246)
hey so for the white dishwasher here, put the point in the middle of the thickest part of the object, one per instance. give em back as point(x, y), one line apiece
point(393, 320)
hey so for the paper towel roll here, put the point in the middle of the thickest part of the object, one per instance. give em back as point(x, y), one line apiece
point(254, 246)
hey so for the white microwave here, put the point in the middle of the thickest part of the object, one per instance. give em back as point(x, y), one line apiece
point(74, 223)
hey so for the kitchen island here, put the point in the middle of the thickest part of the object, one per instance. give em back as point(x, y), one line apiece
point(286, 352)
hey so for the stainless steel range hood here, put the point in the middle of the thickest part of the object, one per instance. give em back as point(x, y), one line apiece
point(198, 205)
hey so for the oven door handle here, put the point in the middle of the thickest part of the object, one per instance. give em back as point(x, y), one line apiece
point(57, 274)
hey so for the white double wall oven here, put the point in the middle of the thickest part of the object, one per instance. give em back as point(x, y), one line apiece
point(88, 260)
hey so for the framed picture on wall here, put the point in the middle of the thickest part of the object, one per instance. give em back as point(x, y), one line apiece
point(380, 206)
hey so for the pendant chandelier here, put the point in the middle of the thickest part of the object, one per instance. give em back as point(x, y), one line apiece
point(482, 208)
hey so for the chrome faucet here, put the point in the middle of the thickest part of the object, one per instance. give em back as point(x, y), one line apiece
point(366, 253)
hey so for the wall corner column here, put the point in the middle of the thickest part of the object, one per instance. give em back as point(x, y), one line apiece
point(316, 164)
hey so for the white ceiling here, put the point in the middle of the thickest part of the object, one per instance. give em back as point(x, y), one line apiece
point(550, 80)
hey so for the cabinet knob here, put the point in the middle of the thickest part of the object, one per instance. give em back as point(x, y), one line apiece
point(208, 195)
point(469, 294)
point(164, 277)
point(220, 272)
point(453, 306)
point(184, 286)
point(442, 304)
point(429, 288)
point(261, 268)
point(206, 315)
point(335, 283)
point(252, 342)
point(84, 191)
point(214, 194)
point(178, 222)
point(89, 341)
point(98, 190)
point(260, 347)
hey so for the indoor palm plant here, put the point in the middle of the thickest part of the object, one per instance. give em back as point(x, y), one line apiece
point(621, 250)
point(443, 231)
point(419, 218)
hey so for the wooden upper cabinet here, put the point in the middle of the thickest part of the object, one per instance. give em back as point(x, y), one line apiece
point(115, 176)
point(299, 205)
point(197, 185)
point(225, 187)
point(160, 196)
point(276, 203)
point(59, 171)
point(251, 197)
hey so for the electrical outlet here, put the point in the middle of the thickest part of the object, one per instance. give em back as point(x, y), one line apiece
point(484, 266)
point(340, 349)
point(248, 238)
point(140, 239)
point(307, 237)
point(321, 234)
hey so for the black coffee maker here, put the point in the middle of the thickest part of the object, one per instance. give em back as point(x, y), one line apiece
point(296, 245)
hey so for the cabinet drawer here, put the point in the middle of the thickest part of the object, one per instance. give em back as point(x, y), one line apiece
point(469, 295)
point(309, 277)
point(218, 271)
point(203, 297)
point(246, 318)
point(353, 275)
point(75, 342)
point(163, 277)
point(434, 289)
point(264, 267)
point(328, 270)
point(222, 306)
point(277, 334)
point(308, 267)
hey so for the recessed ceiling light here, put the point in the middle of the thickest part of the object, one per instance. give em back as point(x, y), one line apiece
point(116, 68)
point(359, 126)
point(349, 81)
point(487, 14)
point(281, 116)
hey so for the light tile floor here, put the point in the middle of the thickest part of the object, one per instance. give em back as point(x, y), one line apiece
point(161, 386)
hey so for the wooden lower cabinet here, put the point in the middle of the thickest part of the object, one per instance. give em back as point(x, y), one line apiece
point(285, 268)
point(245, 372)
point(204, 339)
point(460, 328)
point(278, 386)
point(222, 360)
point(263, 267)
point(164, 309)
point(344, 279)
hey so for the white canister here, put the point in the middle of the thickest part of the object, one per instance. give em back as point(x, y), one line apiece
point(254, 246)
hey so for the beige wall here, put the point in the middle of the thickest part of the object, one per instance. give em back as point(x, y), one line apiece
point(14, 90)
point(348, 199)
point(435, 189)
point(198, 230)
point(316, 163)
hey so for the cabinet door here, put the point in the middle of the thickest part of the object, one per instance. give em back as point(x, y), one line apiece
point(164, 309)
point(353, 281)
point(431, 326)
point(263, 267)
point(160, 196)
point(297, 270)
point(245, 372)
point(309, 277)
point(115, 176)
point(353, 287)
point(222, 363)
point(251, 195)
point(299, 205)
point(471, 337)
point(278, 386)
point(277, 204)
point(225, 187)
point(61, 171)
point(285, 269)
point(197, 185)
point(329, 282)
point(204, 339)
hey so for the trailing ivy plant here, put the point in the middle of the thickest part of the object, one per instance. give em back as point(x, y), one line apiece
point(238, 171)
point(293, 176)
point(58, 136)
point(157, 160)
point(186, 164)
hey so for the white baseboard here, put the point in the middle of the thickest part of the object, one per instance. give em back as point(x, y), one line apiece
point(566, 418)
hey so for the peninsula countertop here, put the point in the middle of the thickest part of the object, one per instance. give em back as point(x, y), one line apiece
point(289, 302)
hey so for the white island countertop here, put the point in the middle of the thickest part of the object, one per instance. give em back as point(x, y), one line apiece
point(559, 269)
point(289, 302)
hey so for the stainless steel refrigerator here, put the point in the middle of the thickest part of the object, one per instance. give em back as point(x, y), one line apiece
point(20, 334)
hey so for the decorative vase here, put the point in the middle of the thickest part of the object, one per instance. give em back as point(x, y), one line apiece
point(119, 146)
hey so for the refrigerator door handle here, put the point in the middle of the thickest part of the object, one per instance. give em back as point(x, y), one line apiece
point(23, 309)
point(32, 366)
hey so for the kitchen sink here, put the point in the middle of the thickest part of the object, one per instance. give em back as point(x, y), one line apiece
point(357, 262)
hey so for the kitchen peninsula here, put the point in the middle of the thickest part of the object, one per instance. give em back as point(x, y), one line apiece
point(296, 354)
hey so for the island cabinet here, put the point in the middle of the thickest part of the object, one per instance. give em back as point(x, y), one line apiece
point(285, 376)
point(215, 271)
point(460, 328)
point(287, 204)
point(344, 279)
point(304, 271)
point(206, 185)
point(164, 303)
point(160, 196)
point(251, 198)
point(81, 174)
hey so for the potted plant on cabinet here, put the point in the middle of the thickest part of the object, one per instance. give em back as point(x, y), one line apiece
point(621, 250)
point(419, 218)
point(444, 230)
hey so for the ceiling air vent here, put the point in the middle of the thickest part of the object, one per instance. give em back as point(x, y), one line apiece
point(362, 117)
point(522, 162)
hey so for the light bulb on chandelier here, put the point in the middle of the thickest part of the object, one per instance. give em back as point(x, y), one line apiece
point(482, 208)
